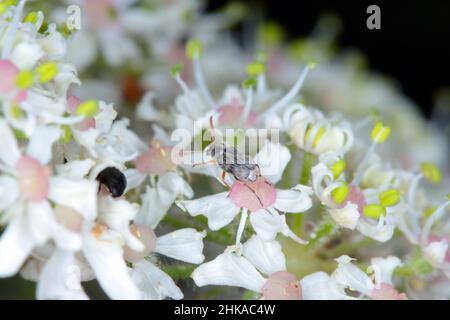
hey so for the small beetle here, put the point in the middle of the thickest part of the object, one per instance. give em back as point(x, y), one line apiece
point(231, 161)
point(114, 180)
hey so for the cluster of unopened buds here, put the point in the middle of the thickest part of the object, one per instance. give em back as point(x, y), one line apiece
point(83, 196)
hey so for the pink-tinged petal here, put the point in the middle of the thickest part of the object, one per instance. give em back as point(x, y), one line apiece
point(282, 285)
point(102, 13)
point(8, 72)
point(230, 115)
point(33, 178)
point(253, 195)
point(21, 96)
point(156, 161)
point(147, 237)
point(387, 292)
point(72, 103)
point(355, 196)
point(86, 124)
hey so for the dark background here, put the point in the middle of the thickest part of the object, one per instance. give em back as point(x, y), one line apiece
point(413, 45)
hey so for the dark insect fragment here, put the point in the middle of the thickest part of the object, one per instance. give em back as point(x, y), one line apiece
point(114, 180)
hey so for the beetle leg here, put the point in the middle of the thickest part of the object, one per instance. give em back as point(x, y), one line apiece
point(204, 163)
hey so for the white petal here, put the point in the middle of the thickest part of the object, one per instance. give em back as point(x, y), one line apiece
point(146, 109)
point(346, 217)
point(60, 278)
point(174, 183)
point(219, 210)
point(42, 226)
point(184, 244)
point(154, 283)
point(382, 231)
point(9, 192)
point(383, 269)
point(157, 201)
point(267, 224)
point(76, 170)
point(435, 253)
point(87, 139)
point(134, 179)
point(105, 256)
point(117, 214)
point(9, 151)
point(105, 117)
point(297, 199)
point(41, 142)
point(272, 160)
point(266, 256)
point(26, 54)
point(320, 286)
point(80, 195)
point(349, 275)
point(229, 269)
point(15, 246)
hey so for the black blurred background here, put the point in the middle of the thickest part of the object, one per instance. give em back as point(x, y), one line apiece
point(413, 45)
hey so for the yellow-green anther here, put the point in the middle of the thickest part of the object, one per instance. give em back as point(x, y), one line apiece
point(10, 2)
point(448, 196)
point(429, 211)
point(317, 137)
point(87, 109)
point(389, 197)
point(255, 68)
point(380, 132)
point(312, 65)
point(338, 167)
point(249, 83)
point(16, 112)
point(67, 134)
point(194, 49)
point(374, 211)
point(340, 194)
point(46, 71)
point(3, 8)
point(431, 172)
point(32, 17)
point(24, 79)
point(176, 69)
point(271, 33)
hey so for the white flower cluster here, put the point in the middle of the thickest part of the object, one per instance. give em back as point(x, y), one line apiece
point(83, 193)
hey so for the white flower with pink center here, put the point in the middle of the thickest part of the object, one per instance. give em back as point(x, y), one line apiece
point(349, 204)
point(354, 279)
point(260, 200)
point(165, 183)
point(183, 244)
point(27, 192)
point(260, 268)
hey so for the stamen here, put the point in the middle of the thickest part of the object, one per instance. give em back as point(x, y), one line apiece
point(431, 220)
point(186, 90)
point(248, 105)
point(9, 39)
point(379, 134)
point(241, 227)
point(194, 50)
point(290, 96)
